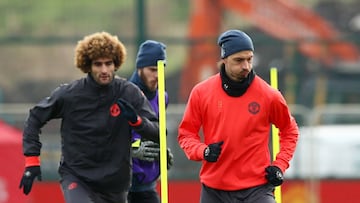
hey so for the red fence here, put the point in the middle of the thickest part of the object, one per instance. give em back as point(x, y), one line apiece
point(293, 191)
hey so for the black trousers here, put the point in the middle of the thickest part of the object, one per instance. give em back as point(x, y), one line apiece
point(258, 194)
point(76, 191)
point(143, 197)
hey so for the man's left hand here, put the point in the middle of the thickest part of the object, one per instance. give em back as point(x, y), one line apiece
point(127, 111)
point(274, 175)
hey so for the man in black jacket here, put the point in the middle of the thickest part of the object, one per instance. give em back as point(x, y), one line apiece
point(98, 113)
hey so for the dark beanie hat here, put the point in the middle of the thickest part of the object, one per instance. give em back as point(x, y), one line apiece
point(149, 53)
point(233, 41)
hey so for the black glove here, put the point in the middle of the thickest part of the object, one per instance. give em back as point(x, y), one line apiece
point(274, 175)
point(27, 180)
point(170, 158)
point(212, 151)
point(148, 151)
point(127, 111)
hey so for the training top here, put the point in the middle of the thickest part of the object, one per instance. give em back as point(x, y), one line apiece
point(95, 139)
point(243, 123)
point(145, 173)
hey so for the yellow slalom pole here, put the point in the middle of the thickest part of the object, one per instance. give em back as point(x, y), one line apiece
point(162, 130)
point(275, 131)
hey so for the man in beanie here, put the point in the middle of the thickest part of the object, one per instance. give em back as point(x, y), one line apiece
point(235, 109)
point(98, 112)
point(146, 153)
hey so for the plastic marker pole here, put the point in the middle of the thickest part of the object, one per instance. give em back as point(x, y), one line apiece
point(274, 131)
point(162, 129)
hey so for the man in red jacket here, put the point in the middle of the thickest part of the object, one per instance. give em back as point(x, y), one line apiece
point(235, 109)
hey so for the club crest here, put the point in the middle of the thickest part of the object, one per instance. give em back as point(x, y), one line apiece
point(254, 108)
point(114, 110)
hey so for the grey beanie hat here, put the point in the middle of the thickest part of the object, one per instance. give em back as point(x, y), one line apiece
point(149, 53)
point(233, 41)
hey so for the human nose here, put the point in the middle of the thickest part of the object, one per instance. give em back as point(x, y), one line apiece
point(156, 75)
point(103, 67)
point(245, 66)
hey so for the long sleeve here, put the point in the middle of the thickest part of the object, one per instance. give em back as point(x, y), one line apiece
point(149, 128)
point(288, 131)
point(39, 115)
point(189, 138)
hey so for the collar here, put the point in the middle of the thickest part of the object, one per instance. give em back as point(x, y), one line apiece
point(90, 80)
point(235, 88)
point(135, 78)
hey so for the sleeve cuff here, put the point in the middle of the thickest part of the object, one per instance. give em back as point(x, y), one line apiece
point(200, 151)
point(279, 164)
point(137, 123)
point(32, 161)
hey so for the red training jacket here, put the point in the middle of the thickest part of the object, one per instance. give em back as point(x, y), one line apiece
point(244, 124)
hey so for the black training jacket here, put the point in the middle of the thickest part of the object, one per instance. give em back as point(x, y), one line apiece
point(95, 139)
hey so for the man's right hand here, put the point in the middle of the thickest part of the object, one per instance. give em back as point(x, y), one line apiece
point(29, 175)
point(148, 151)
point(212, 151)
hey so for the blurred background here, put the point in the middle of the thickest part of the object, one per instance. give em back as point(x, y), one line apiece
point(314, 44)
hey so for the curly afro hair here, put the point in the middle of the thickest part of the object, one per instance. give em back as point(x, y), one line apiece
point(97, 45)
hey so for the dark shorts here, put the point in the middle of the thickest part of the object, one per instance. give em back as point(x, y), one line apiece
point(258, 194)
point(76, 191)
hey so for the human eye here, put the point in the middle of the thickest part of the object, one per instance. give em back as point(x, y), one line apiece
point(97, 63)
point(239, 60)
point(109, 63)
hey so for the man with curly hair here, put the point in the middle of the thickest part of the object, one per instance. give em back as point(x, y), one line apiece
point(98, 113)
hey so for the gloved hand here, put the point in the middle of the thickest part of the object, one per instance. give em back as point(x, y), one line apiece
point(170, 158)
point(27, 180)
point(127, 111)
point(212, 151)
point(148, 151)
point(274, 175)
